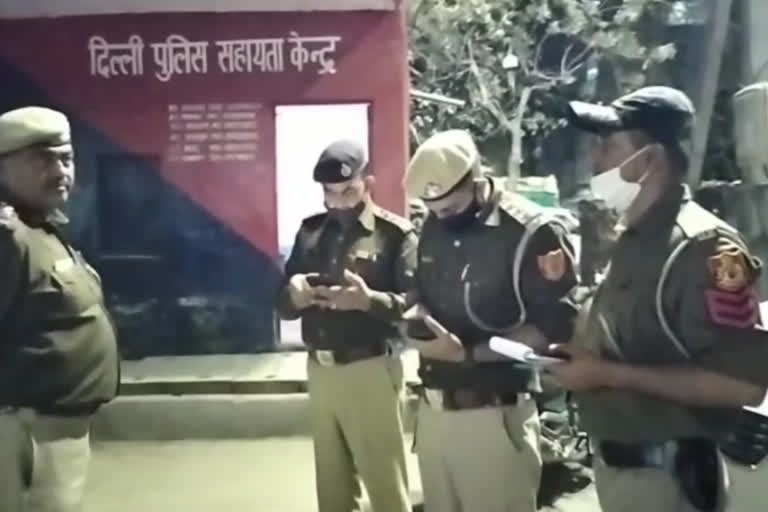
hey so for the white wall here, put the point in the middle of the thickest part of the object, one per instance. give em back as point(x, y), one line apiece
point(45, 8)
point(302, 133)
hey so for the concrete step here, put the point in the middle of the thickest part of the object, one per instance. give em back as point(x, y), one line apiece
point(249, 396)
point(269, 373)
point(219, 416)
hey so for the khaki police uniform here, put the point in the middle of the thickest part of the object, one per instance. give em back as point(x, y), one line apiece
point(356, 383)
point(58, 352)
point(478, 431)
point(678, 292)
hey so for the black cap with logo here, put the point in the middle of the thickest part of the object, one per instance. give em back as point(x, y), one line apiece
point(341, 161)
point(664, 113)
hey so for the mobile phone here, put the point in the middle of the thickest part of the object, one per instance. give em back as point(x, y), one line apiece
point(417, 329)
point(321, 280)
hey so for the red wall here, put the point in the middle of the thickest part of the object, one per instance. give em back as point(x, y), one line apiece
point(133, 110)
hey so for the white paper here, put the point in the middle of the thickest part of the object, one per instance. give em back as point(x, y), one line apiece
point(520, 352)
point(762, 409)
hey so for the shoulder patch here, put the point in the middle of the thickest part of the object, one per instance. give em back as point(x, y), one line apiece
point(733, 309)
point(731, 300)
point(399, 222)
point(731, 267)
point(8, 216)
point(552, 265)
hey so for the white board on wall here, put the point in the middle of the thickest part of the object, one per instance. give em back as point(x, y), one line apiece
point(302, 133)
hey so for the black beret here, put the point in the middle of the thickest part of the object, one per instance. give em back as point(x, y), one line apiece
point(341, 161)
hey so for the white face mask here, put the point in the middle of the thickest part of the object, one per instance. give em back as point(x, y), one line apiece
point(618, 193)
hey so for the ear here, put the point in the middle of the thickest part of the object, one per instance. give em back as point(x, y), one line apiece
point(370, 182)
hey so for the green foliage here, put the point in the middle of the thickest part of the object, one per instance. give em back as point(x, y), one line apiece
point(467, 49)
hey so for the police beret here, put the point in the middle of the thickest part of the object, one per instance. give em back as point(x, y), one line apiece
point(31, 126)
point(664, 113)
point(340, 161)
point(440, 164)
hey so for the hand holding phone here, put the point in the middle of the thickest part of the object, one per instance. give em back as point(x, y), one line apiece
point(415, 326)
point(315, 280)
point(524, 354)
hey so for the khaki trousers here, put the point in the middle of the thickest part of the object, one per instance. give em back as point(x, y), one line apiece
point(748, 491)
point(45, 462)
point(646, 490)
point(15, 461)
point(357, 423)
point(479, 460)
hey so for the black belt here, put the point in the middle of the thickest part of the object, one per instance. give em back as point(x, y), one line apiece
point(649, 455)
point(637, 455)
point(346, 355)
point(748, 443)
point(462, 399)
point(693, 462)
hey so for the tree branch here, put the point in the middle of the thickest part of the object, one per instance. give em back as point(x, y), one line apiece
point(414, 134)
point(485, 98)
point(564, 59)
point(582, 56)
point(539, 46)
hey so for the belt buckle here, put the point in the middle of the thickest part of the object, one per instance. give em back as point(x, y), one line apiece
point(434, 398)
point(325, 357)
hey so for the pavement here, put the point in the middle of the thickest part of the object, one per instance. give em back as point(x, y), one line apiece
point(265, 475)
point(211, 433)
point(231, 432)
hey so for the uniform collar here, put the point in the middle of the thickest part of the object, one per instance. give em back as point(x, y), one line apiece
point(489, 212)
point(367, 217)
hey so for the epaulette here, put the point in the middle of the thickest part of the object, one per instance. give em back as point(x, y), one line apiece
point(697, 223)
point(399, 222)
point(520, 208)
point(8, 216)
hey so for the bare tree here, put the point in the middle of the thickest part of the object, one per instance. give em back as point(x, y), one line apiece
point(506, 58)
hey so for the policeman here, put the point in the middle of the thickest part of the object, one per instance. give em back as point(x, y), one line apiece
point(58, 352)
point(490, 263)
point(670, 349)
point(346, 278)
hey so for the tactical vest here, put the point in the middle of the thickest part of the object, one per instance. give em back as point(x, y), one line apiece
point(470, 282)
point(617, 414)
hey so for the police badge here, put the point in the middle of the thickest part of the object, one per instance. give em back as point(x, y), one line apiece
point(432, 189)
